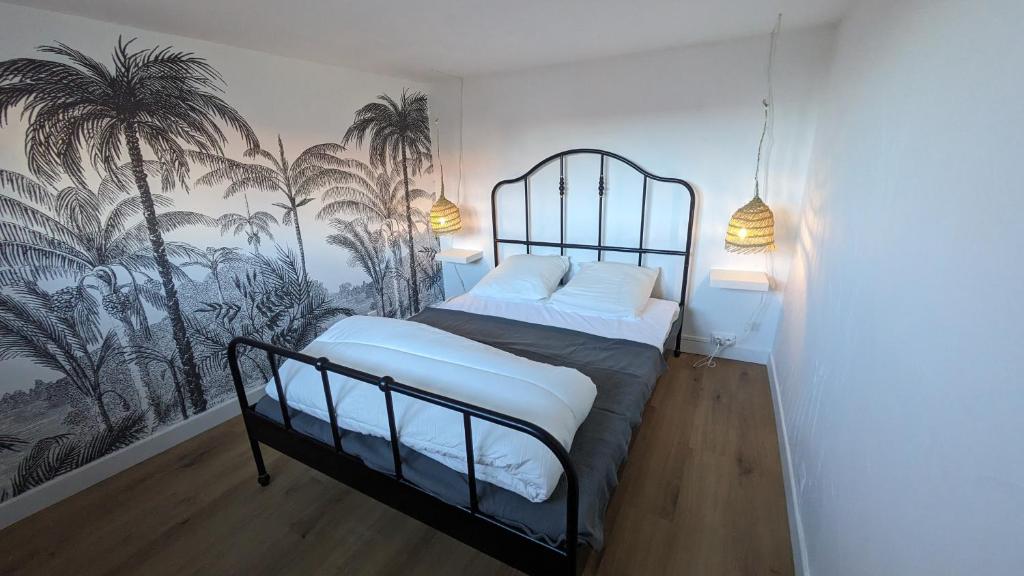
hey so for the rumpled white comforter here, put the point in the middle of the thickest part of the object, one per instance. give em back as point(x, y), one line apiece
point(555, 398)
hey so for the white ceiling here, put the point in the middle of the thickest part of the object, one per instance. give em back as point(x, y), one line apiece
point(429, 38)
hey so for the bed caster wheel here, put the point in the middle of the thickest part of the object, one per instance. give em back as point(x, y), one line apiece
point(263, 479)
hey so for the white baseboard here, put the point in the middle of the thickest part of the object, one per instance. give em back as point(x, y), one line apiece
point(796, 526)
point(701, 345)
point(81, 478)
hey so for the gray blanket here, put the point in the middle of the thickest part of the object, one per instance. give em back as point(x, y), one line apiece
point(623, 371)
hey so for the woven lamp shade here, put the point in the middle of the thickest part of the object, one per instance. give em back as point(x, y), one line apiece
point(751, 229)
point(445, 217)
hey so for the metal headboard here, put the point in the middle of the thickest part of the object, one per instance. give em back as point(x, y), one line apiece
point(600, 247)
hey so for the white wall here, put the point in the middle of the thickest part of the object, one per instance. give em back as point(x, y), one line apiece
point(896, 353)
point(692, 113)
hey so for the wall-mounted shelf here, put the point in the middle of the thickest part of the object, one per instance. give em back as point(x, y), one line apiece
point(740, 280)
point(458, 256)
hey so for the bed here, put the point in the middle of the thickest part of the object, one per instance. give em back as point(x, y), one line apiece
point(550, 532)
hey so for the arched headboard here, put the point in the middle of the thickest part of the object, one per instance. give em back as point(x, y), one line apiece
point(601, 247)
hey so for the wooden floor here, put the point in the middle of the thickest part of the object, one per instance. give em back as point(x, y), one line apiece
point(701, 494)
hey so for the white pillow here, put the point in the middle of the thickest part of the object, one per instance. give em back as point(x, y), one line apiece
point(523, 277)
point(607, 289)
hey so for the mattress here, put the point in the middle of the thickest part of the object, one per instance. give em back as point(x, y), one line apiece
point(624, 373)
point(652, 327)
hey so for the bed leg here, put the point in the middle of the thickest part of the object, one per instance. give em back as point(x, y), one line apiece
point(679, 338)
point(261, 469)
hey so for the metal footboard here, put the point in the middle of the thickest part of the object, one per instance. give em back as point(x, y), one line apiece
point(467, 524)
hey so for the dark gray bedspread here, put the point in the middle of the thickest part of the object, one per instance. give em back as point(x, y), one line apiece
point(624, 373)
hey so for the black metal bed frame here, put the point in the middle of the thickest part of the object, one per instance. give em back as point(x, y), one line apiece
point(600, 247)
point(467, 524)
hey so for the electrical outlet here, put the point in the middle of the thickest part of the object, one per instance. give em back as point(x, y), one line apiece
point(723, 339)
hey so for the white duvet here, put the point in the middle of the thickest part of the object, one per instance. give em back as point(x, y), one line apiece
point(555, 398)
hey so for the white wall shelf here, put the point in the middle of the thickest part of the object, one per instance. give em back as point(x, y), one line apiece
point(459, 256)
point(740, 280)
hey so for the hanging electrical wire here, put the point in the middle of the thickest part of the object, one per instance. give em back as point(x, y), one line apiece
point(764, 150)
point(769, 136)
point(769, 261)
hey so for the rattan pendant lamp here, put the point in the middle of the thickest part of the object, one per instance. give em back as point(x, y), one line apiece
point(752, 227)
point(445, 217)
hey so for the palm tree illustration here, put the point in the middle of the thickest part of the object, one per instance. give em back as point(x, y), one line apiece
point(212, 259)
point(293, 311)
point(365, 249)
point(254, 225)
point(55, 455)
point(29, 330)
point(399, 135)
point(275, 304)
point(167, 362)
point(94, 238)
point(376, 195)
point(157, 97)
point(79, 234)
point(10, 443)
point(430, 270)
point(313, 170)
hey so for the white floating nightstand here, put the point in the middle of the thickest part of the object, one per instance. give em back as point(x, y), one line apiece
point(740, 280)
point(458, 256)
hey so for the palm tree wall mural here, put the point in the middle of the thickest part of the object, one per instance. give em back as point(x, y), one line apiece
point(212, 259)
point(158, 97)
point(364, 248)
point(255, 225)
point(314, 170)
point(94, 240)
point(376, 195)
point(399, 135)
point(123, 301)
point(60, 343)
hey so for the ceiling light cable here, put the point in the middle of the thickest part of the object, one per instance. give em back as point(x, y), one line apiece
point(770, 72)
point(458, 187)
point(769, 131)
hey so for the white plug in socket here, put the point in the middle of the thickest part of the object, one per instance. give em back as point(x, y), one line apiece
point(723, 339)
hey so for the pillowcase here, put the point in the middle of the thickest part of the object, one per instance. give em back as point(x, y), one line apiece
point(523, 277)
point(607, 289)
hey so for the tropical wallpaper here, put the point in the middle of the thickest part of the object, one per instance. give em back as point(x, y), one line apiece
point(122, 301)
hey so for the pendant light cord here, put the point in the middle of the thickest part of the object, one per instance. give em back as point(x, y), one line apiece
point(437, 145)
point(770, 124)
point(760, 145)
point(768, 103)
point(458, 187)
